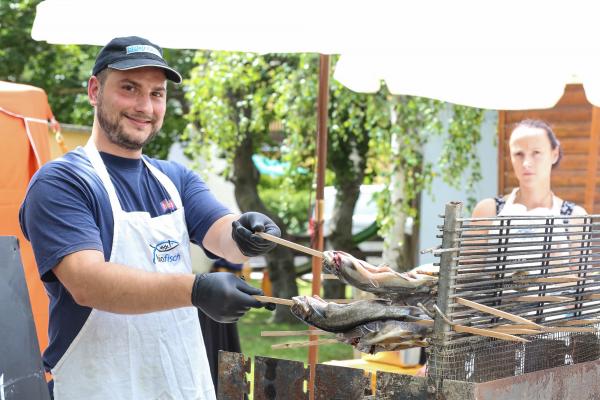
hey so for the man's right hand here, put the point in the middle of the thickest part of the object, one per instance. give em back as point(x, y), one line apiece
point(223, 296)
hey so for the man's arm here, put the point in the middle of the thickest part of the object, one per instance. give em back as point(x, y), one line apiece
point(219, 241)
point(116, 288)
point(233, 236)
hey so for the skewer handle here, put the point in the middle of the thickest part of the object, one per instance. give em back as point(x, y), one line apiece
point(276, 300)
point(497, 313)
point(293, 345)
point(314, 332)
point(291, 245)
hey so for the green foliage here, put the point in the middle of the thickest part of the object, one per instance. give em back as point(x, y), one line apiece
point(230, 100)
point(62, 71)
point(292, 207)
point(416, 121)
point(237, 95)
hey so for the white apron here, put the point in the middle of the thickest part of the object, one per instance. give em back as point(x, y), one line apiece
point(157, 355)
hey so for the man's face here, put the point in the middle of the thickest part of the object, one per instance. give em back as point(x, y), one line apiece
point(130, 106)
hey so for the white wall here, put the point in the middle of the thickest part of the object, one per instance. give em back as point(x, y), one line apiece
point(433, 205)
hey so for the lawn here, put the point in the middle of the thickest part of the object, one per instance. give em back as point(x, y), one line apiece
point(253, 344)
point(257, 320)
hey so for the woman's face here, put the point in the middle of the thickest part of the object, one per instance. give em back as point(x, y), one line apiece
point(532, 155)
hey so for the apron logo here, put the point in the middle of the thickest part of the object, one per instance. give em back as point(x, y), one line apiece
point(160, 252)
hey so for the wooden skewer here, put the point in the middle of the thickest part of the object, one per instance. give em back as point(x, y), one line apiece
point(498, 313)
point(426, 322)
point(568, 329)
point(287, 302)
point(293, 345)
point(516, 331)
point(549, 329)
point(487, 332)
point(558, 279)
point(593, 296)
point(544, 299)
point(276, 300)
point(347, 301)
point(580, 322)
point(291, 245)
point(310, 332)
point(518, 326)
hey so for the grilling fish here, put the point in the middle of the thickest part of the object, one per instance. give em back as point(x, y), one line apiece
point(380, 280)
point(377, 336)
point(333, 317)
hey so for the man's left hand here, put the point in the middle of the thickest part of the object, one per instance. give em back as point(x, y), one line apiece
point(243, 233)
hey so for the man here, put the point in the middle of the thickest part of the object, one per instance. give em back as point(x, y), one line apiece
point(111, 231)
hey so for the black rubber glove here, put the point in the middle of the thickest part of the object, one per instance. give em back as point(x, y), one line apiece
point(243, 233)
point(223, 296)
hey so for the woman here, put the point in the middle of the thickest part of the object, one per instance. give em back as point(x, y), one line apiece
point(534, 152)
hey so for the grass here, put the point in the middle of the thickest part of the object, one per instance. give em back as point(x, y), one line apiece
point(257, 320)
point(253, 344)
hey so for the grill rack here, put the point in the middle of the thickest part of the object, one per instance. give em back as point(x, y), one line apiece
point(542, 268)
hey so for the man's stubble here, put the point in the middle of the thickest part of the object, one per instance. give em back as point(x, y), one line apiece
point(115, 133)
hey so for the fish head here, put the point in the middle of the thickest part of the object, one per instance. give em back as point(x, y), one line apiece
point(301, 307)
point(335, 261)
point(329, 262)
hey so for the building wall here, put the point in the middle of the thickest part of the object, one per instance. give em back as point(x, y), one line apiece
point(432, 205)
point(572, 122)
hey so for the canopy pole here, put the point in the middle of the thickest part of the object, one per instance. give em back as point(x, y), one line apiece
point(322, 114)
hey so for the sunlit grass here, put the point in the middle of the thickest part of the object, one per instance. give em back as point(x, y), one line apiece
point(253, 344)
point(257, 320)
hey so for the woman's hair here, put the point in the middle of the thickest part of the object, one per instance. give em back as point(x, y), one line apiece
point(539, 124)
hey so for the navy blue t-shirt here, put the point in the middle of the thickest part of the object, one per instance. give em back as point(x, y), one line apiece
point(66, 209)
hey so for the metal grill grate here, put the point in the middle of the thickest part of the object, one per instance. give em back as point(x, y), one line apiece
point(545, 269)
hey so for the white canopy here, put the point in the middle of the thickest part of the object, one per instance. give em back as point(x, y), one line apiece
point(492, 54)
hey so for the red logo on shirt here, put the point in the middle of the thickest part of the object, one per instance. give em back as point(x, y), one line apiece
point(167, 204)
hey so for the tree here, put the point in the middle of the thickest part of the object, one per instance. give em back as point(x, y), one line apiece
point(237, 97)
point(416, 121)
point(231, 100)
point(63, 71)
point(354, 120)
point(379, 137)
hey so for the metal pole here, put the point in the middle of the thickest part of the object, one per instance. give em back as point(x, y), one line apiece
point(322, 107)
point(446, 282)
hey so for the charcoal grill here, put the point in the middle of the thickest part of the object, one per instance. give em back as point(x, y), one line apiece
point(544, 269)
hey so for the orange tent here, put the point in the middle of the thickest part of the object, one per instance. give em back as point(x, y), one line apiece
point(24, 117)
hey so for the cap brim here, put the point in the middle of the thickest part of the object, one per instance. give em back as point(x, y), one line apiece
point(125, 65)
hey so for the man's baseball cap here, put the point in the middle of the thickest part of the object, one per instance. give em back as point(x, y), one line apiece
point(132, 52)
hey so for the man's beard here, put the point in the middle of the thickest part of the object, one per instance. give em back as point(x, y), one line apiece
point(116, 134)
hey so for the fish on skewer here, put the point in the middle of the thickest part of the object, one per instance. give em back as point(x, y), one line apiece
point(390, 335)
point(381, 280)
point(333, 317)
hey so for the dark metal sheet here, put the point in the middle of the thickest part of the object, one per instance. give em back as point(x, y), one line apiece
point(232, 376)
point(579, 381)
point(21, 371)
point(391, 386)
point(341, 383)
point(279, 379)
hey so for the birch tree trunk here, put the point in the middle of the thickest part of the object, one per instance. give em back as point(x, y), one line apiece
point(393, 251)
